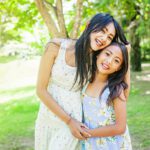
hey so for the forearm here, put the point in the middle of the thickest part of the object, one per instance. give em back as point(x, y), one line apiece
point(107, 131)
point(127, 81)
point(127, 76)
point(48, 100)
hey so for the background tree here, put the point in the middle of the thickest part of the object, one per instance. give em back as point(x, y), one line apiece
point(17, 16)
point(52, 14)
point(135, 18)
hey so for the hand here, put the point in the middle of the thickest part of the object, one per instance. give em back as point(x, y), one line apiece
point(77, 130)
point(88, 131)
point(128, 46)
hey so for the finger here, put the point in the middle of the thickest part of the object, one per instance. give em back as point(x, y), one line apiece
point(128, 47)
point(83, 125)
point(85, 133)
point(80, 136)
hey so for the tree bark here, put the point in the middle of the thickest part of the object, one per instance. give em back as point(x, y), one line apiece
point(77, 19)
point(60, 17)
point(47, 17)
point(135, 52)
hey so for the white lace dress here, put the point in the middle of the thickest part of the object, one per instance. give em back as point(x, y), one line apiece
point(51, 133)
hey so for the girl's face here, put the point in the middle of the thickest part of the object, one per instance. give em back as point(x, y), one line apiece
point(101, 39)
point(109, 60)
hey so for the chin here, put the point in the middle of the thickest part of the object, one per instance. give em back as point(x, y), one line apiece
point(95, 48)
point(104, 72)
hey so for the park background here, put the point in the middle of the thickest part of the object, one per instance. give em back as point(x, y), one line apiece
point(25, 28)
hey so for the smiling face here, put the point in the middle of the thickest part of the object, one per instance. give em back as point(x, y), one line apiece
point(101, 39)
point(109, 60)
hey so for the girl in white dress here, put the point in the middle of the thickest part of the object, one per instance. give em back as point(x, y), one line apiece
point(66, 63)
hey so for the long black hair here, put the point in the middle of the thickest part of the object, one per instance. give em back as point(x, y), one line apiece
point(82, 46)
point(115, 80)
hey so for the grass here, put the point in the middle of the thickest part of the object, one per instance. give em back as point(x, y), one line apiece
point(17, 116)
point(17, 121)
point(138, 109)
point(6, 59)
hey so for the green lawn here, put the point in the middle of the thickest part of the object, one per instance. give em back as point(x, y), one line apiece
point(17, 121)
point(6, 59)
point(17, 116)
point(138, 109)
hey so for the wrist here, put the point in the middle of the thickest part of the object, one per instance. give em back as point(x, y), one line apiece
point(68, 120)
point(90, 131)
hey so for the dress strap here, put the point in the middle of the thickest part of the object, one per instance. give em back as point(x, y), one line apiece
point(63, 46)
point(84, 89)
point(61, 52)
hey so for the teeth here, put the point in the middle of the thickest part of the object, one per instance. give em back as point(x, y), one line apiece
point(105, 66)
point(98, 42)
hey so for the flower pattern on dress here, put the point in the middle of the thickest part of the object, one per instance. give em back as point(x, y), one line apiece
point(51, 133)
point(97, 113)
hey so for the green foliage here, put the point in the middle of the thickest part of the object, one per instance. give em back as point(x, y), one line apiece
point(17, 16)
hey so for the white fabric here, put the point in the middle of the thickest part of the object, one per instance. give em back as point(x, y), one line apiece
point(51, 133)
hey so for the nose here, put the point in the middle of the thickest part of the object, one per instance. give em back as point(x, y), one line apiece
point(104, 38)
point(109, 60)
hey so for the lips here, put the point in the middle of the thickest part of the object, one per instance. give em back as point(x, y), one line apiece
point(98, 42)
point(105, 66)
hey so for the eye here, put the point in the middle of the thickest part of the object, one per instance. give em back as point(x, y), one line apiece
point(107, 54)
point(103, 31)
point(117, 61)
point(110, 38)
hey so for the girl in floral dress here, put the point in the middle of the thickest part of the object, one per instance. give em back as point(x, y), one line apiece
point(104, 103)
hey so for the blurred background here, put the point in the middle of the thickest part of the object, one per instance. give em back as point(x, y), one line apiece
point(25, 28)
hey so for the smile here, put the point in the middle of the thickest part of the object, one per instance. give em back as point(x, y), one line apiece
point(98, 42)
point(105, 66)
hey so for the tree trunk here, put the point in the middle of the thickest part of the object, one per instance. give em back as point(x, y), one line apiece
point(53, 17)
point(60, 18)
point(77, 19)
point(55, 29)
point(135, 52)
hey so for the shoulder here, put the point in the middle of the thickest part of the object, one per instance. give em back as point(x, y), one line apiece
point(71, 44)
point(53, 46)
point(121, 97)
point(56, 41)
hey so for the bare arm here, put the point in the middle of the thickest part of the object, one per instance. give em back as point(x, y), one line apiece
point(127, 81)
point(115, 129)
point(45, 68)
point(46, 64)
point(127, 77)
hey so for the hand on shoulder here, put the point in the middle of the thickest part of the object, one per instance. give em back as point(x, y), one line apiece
point(128, 46)
point(52, 47)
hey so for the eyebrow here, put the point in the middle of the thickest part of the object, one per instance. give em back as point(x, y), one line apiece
point(107, 31)
point(112, 53)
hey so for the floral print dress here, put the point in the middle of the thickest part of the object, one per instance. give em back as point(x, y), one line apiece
point(51, 133)
point(98, 114)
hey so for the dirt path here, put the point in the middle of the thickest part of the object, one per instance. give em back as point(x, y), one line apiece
point(18, 73)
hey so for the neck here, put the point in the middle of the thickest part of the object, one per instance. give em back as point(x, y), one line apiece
point(101, 77)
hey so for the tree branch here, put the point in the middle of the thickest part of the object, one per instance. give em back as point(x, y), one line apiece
point(51, 7)
point(77, 19)
point(48, 19)
point(60, 17)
